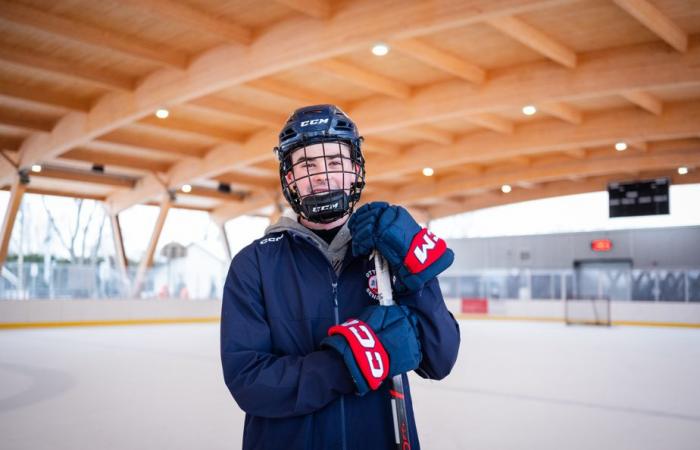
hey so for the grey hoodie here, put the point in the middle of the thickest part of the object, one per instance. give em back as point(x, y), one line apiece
point(334, 252)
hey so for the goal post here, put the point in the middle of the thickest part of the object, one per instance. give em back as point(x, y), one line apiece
point(587, 311)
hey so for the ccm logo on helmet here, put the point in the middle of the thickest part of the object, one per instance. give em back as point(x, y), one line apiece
point(314, 122)
point(324, 207)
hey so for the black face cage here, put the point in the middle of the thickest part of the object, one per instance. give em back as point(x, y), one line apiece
point(323, 187)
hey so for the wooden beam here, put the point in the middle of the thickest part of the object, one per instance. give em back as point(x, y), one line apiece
point(119, 251)
point(660, 24)
point(90, 35)
point(257, 201)
point(147, 260)
point(218, 160)
point(25, 96)
point(492, 122)
point(578, 153)
point(318, 9)
point(357, 25)
point(64, 193)
point(535, 39)
point(32, 61)
point(16, 192)
point(195, 18)
point(591, 167)
point(243, 113)
point(115, 160)
point(364, 78)
point(84, 176)
point(187, 127)
point(430, 134)
point(645, 101)
point(563, 111)
point(440, 59)
point(680, 120)
point(600, 73)
point(293, 92)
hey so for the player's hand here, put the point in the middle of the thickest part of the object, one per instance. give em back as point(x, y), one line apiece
point(380, 343)
point(414, 254)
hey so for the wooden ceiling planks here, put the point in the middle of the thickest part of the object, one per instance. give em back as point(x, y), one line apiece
point(80, 81)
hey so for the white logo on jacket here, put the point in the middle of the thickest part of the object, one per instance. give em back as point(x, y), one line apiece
point(271, 239)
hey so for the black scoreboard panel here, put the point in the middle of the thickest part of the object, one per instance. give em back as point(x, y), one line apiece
point(639, 198)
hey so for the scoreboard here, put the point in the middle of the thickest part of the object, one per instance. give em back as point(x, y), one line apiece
point(639, 198)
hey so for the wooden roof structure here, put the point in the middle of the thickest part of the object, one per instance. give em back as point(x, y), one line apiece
point(80, 82)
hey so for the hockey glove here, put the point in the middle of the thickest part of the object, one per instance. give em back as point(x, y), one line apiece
point(381, 343)
point(414, 254)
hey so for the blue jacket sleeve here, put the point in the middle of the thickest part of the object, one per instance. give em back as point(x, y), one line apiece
point(439, 331)
point(263, 383)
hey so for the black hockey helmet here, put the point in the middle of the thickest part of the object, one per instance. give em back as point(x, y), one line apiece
point(329, 126)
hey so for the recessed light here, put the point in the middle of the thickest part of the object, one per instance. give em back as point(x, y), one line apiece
point(506, 188)
point(36, 168)
point(529, 110)
point(621, 146)
point(162, 113)
point(380, 49)
point(186, 188)
point(428, 171)
point(682, 170)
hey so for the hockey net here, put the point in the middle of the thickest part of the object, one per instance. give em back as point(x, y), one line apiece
point(588, 311)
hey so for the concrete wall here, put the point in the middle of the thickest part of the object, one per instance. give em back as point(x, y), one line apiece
point(74, 312)
point(666, 248)
point(54, 312)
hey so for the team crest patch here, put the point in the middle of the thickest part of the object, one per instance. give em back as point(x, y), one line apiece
point(372, 290)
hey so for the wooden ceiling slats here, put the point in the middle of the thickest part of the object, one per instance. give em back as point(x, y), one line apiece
point(89, 35)
point(645, 100)
point(535, 39)
point(651, 17)
point(440, 59)
point(195, 18)
point(449, 97)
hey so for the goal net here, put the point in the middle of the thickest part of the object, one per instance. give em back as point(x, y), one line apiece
point(589, 311)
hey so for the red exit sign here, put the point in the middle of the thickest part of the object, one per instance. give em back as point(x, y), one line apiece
point(601, 245)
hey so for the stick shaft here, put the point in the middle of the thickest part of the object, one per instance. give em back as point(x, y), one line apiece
point(398, 403)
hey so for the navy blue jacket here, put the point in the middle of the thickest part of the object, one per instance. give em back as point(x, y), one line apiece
point(280, 297)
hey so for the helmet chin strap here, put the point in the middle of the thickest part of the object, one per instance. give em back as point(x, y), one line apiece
point(325, 208)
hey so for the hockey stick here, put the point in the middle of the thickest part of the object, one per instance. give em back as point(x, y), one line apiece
point(398, 403)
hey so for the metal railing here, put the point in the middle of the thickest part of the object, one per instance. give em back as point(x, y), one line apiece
point(54, 280)
point(658, 285)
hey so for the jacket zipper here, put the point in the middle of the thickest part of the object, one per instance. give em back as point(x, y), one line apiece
point(342, 397)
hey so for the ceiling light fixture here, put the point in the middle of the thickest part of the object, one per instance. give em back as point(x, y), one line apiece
point(428, 171)
point(380, 49)
point(529, 110)
point(36, 168)
point(682, 170)
point(186, 188)
point(162, 113)
point(621, 146)
point(506, 188)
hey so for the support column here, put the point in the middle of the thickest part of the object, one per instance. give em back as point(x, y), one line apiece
point(224, 240)
point(16, 193)
point(147, 260)
point(119, 251)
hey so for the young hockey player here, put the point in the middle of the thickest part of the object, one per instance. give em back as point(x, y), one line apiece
point(305, 373)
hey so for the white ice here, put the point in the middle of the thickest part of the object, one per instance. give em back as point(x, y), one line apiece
point(516, 386)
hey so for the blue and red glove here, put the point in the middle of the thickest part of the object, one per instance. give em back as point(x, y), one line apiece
point(414, 254)
point(381, 343)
